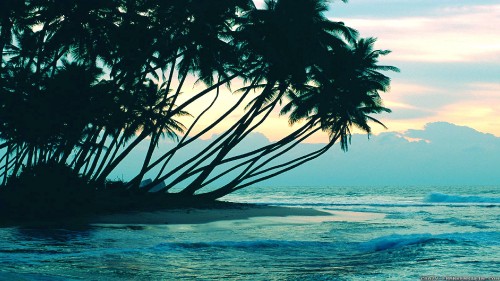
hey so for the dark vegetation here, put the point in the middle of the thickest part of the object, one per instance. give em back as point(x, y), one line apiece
point(84, 82)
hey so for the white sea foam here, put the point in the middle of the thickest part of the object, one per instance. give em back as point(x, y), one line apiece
point(394, 241)
point(398, 241)
point(447, 198)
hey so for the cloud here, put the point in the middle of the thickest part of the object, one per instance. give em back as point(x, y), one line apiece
point(464, 93)
point(448, 53)
point(485, 90)
point(451, 35)
point(439, 154)
point(476, 105)
point(483, 115)
point(259, 4)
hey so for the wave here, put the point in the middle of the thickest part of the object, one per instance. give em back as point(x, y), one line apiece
point(375, 207)
point(399, 241)
point(446, 198)
point(394, 241)
point(317, 204)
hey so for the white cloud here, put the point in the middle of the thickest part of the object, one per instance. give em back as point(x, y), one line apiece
point(459, 36)
point(476, 105)
point(456, 35)
point(259, 3)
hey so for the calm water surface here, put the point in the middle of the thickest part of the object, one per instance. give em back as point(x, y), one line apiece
point(394, 233)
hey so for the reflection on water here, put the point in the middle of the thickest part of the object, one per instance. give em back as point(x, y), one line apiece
point(399, 239)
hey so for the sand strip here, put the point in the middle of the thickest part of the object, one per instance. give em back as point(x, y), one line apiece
point(197, 216)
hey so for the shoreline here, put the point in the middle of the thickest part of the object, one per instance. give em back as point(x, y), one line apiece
point(213, 212)
point(230, 211)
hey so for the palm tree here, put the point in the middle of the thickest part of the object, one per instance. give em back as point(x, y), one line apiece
point(267, 39)
point(345, 91)
point(11, 13)
point(198, 32)
point(97, 78)
point(341, 94)
point(289, 29)
point(337, 99)
point(153, 112)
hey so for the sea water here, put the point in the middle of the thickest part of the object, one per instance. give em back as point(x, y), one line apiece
point(376, 233)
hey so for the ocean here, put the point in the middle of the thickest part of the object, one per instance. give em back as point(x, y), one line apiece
point(376, 233)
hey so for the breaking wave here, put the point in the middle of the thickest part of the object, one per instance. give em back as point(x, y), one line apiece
point(399, 241)
point(394, 241)
point(446, 198)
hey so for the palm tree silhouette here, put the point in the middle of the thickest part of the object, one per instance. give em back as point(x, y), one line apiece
point(267, 39)
point(96, 79)
point(11, 14)
point(344, 93)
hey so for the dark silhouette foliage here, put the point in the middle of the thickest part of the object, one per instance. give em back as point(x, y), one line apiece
point(48, 190)
point(85, 83)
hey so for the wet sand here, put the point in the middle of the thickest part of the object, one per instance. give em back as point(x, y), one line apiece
point(206, 215)
point(233, 211)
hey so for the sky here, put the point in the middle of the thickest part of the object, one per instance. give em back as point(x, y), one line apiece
point(446, 155)
point(439, 154)
point(445, 124)
point(449, 55)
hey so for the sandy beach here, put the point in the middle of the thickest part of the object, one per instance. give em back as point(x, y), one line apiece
point(206, 215)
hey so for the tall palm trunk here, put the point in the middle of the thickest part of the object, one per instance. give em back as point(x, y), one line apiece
point(168, 155)
point(230, 142)
point(97, 156)
point(87, 149)
point(233, 185)
point(114, 146)
point(6, 168)
point(110, 167)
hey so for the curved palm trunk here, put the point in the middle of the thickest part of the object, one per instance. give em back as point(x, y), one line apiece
point(216, 145)
point(6, 167)
point(183, 143)
point(231, 142)
point(97, 157)
point(233, 186)
point(111, 166)
point(260, 153)
point(186, 134)
point(20, 156)
point(5, 144)
point(87, 149)
point(135, 183)
point(114, 146)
